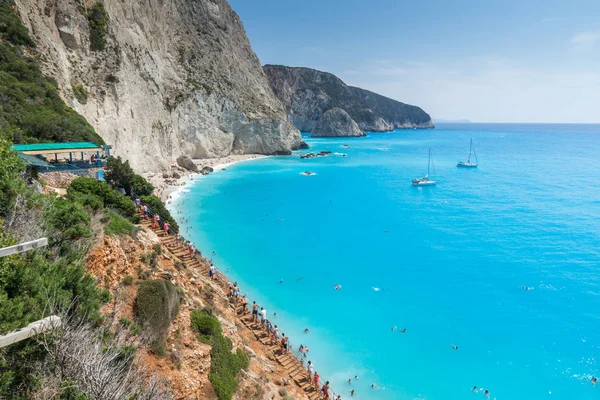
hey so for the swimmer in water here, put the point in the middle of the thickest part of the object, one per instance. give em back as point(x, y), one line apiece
point(455, 347)
point(337, 287)
point(356, 377)
point(349, 381)
point(306, 330)
point(352, 392)
point(594, 380)
point(474, 389)
point(403, 330)
point(393, 329)
point(487, 393)
point(281, 281)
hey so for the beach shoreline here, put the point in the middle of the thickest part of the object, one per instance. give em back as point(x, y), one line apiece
point(170, 183)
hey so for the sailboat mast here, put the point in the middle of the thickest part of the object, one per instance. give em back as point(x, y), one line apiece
point(470, 149)
point(429, 161)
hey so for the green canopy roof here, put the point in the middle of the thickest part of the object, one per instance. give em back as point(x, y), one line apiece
point(55, 146)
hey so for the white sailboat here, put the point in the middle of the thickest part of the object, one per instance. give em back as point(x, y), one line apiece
point(468, 163)
point(425, 181)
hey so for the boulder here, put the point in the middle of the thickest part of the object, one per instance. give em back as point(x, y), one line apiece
point(187, 163)
point(336, 123)
point(206, 170)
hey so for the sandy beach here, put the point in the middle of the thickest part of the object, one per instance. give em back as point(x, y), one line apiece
point(171, 181)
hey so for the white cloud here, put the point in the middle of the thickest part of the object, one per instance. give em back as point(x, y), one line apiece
point(585, 40)
point(489, 90)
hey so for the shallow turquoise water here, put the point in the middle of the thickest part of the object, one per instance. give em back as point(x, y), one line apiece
point(451, 266)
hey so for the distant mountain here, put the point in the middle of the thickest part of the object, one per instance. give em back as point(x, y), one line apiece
point(452, 121)
point(307, 94)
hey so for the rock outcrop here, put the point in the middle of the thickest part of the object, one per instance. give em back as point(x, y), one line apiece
point(176, 77)
point(336, 123)
point(307, 94)
point(187, 163)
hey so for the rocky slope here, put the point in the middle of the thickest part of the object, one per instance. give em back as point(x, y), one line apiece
point(336, 123)
point(173, 78)
point(307, 94)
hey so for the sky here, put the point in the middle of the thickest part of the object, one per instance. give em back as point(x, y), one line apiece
point(481, 60)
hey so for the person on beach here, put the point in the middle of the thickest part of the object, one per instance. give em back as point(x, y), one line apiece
point(156, 221)
point(145, 211)
point(311, 370)
point(316, 380)
point(166, 227)
point(212, 271)
point(254, 311)
point(138, 203)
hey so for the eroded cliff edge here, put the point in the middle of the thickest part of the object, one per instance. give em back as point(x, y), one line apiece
point(307, 94)
point(173, 78)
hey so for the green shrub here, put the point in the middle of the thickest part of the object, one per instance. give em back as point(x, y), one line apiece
point(118, 225)
point(67, 222)
point(204, 323)
point(90, 191)
point(224, 366)
point(156, 304)
point(98, 21)
point(119, 173)
point(11, 170)
point(283, 392)
point(128, 280)
point(79, 92)
point(158, 207)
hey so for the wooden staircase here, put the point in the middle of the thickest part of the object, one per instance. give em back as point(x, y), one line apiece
point(292, 365)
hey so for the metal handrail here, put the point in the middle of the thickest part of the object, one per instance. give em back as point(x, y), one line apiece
point(221, 276)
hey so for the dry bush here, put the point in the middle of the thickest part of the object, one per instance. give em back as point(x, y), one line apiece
point(102, 369)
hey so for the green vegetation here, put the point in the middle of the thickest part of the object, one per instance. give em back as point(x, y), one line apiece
point(158, 207)
point(31, 109)
point(96, 195)
point(31, 281)
point(156, 304)
point(118, 225)
point(119, 173)
point(80, 92)
point(11, 28)
point(224, 365)
point(98, 20)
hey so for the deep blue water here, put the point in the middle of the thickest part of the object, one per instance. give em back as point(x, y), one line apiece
point(451, 265)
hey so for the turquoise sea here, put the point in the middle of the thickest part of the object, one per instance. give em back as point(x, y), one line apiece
point(448, 263)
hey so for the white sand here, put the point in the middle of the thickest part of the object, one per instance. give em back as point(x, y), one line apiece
point(166, 189)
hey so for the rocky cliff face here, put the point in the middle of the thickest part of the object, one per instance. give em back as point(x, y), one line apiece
point(307, 94)
point(336, 123)
point(175, 77)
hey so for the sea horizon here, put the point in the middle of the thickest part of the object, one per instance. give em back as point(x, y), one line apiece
point(448, 263)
